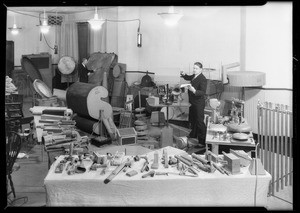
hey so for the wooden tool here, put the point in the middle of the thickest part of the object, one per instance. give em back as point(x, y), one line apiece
point(151, 174)
point(202, 160)
point(115, 172)
point(165, 157)
point(155, 163)
point(145, 166)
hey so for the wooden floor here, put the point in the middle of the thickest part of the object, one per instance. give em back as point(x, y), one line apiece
point(29, 180)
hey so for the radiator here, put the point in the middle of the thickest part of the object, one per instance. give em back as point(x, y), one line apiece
point(275, 140)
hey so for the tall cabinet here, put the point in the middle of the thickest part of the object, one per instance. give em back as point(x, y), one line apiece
point(10, 62)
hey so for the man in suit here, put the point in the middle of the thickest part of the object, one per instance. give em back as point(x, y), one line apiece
point(83, 72)
point(196, 93)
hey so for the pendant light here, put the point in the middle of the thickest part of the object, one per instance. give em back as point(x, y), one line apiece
point(171, 17)
point(14, 30)
point(96, 23)
point(44, 27)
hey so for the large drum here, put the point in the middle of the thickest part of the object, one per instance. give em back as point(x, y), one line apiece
point(87, 99)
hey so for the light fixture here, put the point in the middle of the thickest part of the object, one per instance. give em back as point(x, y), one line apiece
point(96, 23)
point(14, 30)
point(44, 27)
point(171, 18)
point(139, 37)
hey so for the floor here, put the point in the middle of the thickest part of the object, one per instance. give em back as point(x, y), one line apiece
point(30, 191)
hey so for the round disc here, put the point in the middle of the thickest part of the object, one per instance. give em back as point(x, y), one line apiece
point(66, 65)
point(41, 88)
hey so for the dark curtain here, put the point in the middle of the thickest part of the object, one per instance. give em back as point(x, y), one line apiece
point(83, 40)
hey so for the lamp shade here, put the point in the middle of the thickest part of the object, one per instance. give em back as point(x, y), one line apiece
point(44, 27)
point(96, 23)
point(14, 30)
point(246, 78)
point(170, 19)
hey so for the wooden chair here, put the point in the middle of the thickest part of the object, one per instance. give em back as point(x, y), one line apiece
point(14, 120)
point(13, 147)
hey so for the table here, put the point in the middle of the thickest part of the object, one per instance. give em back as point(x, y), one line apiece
point(174, 105)
point(215, 142)
point(208, 189)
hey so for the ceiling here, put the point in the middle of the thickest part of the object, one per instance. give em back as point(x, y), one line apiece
point(61, 10)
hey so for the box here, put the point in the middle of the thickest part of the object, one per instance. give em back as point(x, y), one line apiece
point(233, 163)
point(126, 136)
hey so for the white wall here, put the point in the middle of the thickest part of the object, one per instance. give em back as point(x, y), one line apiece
point(210, 35)
point(269, 42)
point(28, 40)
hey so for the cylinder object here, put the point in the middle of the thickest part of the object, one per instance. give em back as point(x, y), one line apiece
point(104, 81)
point(60, 94)
point(88, 125)
point(87, 99)
point(116, 71)
point(181, 142)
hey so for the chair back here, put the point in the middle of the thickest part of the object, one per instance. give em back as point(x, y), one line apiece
point(13, 147)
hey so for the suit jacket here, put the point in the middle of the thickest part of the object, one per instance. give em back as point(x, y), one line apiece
point(83, 73)
point(200, 84)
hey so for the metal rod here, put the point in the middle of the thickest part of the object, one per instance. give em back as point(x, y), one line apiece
point(272, 126)
point(281, 143)
point(277, 146)
point(258, 128)
point(269, 143)
point(286, 144)
point(266, 137)
point(262, 137)
point(269, 138)
point(291, 148)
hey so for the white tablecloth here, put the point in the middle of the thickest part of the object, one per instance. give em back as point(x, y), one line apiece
point(208, 189)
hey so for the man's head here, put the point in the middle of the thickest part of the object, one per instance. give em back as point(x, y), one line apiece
point(84, 61)
point(197, 69)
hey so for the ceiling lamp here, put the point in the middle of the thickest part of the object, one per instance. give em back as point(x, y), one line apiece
point(14, 30)
point(96, 23)
point(171, 18)
point(44, 27)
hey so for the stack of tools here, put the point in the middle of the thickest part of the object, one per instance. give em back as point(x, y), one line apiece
point(54, 123)
point(64, 139)
point(141, 130)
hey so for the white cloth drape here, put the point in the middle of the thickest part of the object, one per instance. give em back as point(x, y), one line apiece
point(98, 39)
point(67, 40)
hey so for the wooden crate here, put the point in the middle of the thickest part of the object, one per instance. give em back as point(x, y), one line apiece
point(126, 136)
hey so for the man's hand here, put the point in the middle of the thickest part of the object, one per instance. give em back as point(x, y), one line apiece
point(191, 88)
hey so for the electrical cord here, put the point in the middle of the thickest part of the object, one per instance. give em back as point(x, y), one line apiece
point(47, 43)
point(52, 10)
